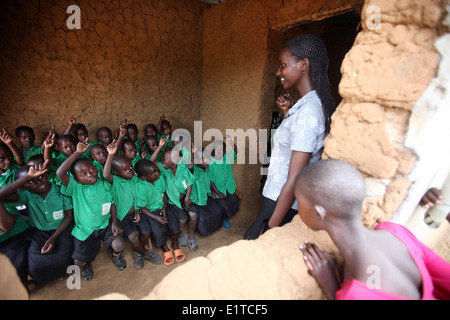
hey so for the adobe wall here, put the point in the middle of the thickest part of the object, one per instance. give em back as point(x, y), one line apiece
point(130, 59)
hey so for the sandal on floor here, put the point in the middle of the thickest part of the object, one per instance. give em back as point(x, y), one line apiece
point(183, 241)
point(193, 245)
point(168, 258)
point(179, 253)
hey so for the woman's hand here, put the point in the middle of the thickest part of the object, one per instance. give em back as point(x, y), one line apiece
point(284, 102)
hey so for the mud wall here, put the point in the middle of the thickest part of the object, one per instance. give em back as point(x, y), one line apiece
point(130, 59)
point(389, 67)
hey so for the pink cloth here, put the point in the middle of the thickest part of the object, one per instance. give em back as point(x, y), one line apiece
point(434, 270)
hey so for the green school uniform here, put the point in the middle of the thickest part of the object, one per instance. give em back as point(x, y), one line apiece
point(91, 204)
point(201, 188)
point(20, 225)
point(150, 196)
point(45, 214)
point(34, 150)
point(124, 192)
point(176, 184)
point(221, 172)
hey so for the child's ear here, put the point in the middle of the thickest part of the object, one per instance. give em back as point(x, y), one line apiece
point(320, 212)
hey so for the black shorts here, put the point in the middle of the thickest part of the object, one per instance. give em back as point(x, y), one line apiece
point(87, 250)
point(174, 214)
point(129, 226)
point(210, 216)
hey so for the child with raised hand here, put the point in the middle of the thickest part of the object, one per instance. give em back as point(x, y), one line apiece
point(92, 200)
point(127, 218)
point(50, 214)
point(165, 131)
point(222, 177)
point(26, 137)
point(179, 182)
point(330, 195)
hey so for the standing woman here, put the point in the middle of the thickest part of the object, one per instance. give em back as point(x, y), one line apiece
point(299, 139)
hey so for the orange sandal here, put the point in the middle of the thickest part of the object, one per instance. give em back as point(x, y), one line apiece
point(168, 258)
point(178, 253)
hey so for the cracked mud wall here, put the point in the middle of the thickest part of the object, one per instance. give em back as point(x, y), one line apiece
point(386, 71)
point(130, 59)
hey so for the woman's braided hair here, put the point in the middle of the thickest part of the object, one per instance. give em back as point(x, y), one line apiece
point(313, 48)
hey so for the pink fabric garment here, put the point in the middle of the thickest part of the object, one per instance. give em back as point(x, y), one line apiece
point(434, 270)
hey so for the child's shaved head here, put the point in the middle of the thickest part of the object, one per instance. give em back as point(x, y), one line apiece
point(333, 184)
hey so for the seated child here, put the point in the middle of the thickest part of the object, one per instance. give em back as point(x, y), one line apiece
point(99, 155)
point(330, 195)
point(152, 202)
point(206, 214)
point(165, 131)
point(178, 179)
point(127, 218)
point(50, 214)
point(129, 150)
point(92, 200)
point(150, 130)
point(79, 131)
point(26, 137)
point(150, 144)
point(104, 136)
point(133, 135)
point(222, 178)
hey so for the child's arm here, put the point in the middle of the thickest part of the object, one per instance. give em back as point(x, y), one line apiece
point(159, 125)
point(62, 174)
point(50, 243)
point(187, 198)
point(8, 140)
point(162, 142)
point(72, 121)
point(122, 132)
point(112, 149)
point(8, 192)
point(114, 225)
point(160, 219)
point(48, 145)
point(51, 133)
point(216, 191)
point(7, 220)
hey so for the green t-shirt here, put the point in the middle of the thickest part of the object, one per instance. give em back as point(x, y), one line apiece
point(221, 172)
point(124, 192)
point(34, 150)
point(201, 188)
point(176, 184)
point(91, 204)
point(45, 214)
point(20, 226)
point(150, 196)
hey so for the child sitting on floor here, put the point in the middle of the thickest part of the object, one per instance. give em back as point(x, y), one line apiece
point(222, 178)
point(26, 137)
point(92, 200)
point(127, 219)
point(50, 215)
point(330, 194)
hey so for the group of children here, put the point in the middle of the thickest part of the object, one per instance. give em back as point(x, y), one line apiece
point(76, 193)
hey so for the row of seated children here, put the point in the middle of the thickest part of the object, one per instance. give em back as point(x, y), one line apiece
point(79, 193)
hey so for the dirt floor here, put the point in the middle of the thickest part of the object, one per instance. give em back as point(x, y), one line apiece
point(137, 284)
